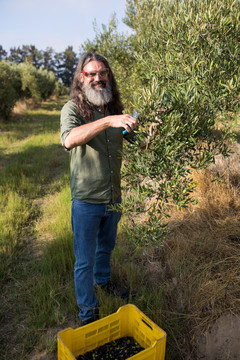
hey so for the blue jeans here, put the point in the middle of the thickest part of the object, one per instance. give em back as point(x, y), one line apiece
point(94, 234)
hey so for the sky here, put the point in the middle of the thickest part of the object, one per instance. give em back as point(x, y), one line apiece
point(56, 23)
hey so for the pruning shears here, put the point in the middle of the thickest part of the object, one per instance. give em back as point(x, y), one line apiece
point(135, 115)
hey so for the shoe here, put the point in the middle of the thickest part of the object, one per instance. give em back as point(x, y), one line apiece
point(112, 289)
point(92, 319)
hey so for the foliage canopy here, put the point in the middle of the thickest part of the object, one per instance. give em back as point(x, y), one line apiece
point(184, 56)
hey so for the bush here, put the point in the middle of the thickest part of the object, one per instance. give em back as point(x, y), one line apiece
point(60, 89)
point(10, 88)
point(45, 82)
point(38, 84)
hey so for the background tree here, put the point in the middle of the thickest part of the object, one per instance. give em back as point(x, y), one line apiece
point(15, 55)
point(10, 88)
point(66, 63)
point(63, 64)
point(3, 53)
point(31, 55)
point(48, 59)
point(23, 81)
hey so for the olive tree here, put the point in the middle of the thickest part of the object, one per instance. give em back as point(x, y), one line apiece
point(10, 88)
point(188, 52)
point(21, 81)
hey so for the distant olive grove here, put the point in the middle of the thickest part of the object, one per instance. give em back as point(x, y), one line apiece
point(62, 64)
point(26, 72)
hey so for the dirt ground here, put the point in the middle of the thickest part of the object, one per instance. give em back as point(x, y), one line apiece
point(221, 341)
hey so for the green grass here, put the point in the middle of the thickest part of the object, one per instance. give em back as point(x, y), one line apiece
point(34, 171)
point(37, 288)
point(36, 256)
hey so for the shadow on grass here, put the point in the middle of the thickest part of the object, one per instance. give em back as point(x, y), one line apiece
point(32, 124)
point(33, 171)
point(54, 105)
point(44, 119)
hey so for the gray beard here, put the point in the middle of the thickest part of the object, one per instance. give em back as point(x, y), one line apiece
point(98, 97)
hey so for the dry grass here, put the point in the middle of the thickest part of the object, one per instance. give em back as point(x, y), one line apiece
point(199, 263)
point(23, 105)
point(208, 236)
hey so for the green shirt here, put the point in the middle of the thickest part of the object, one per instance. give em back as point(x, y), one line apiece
point(95, 166)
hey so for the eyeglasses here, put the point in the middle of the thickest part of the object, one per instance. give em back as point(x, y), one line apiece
point(102, 73)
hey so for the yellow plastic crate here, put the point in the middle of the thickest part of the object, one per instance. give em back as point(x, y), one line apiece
point(127, 321)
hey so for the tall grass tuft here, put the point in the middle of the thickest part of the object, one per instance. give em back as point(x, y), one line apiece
point(15, 217)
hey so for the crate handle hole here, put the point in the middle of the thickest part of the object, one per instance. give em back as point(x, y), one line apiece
point(145, 322)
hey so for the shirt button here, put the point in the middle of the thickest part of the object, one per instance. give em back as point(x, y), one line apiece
point(110, 156)
point(111, 172)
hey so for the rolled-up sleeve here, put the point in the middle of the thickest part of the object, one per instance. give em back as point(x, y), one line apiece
point(69, 120)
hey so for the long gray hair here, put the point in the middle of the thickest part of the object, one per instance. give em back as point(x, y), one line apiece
point(85, 108)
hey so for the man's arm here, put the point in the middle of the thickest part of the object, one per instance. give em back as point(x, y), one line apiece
point(82, 134)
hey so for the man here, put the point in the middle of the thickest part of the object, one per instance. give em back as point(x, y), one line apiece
point(92, 127)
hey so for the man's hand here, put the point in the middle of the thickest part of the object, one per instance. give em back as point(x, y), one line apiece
point(125, 121)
